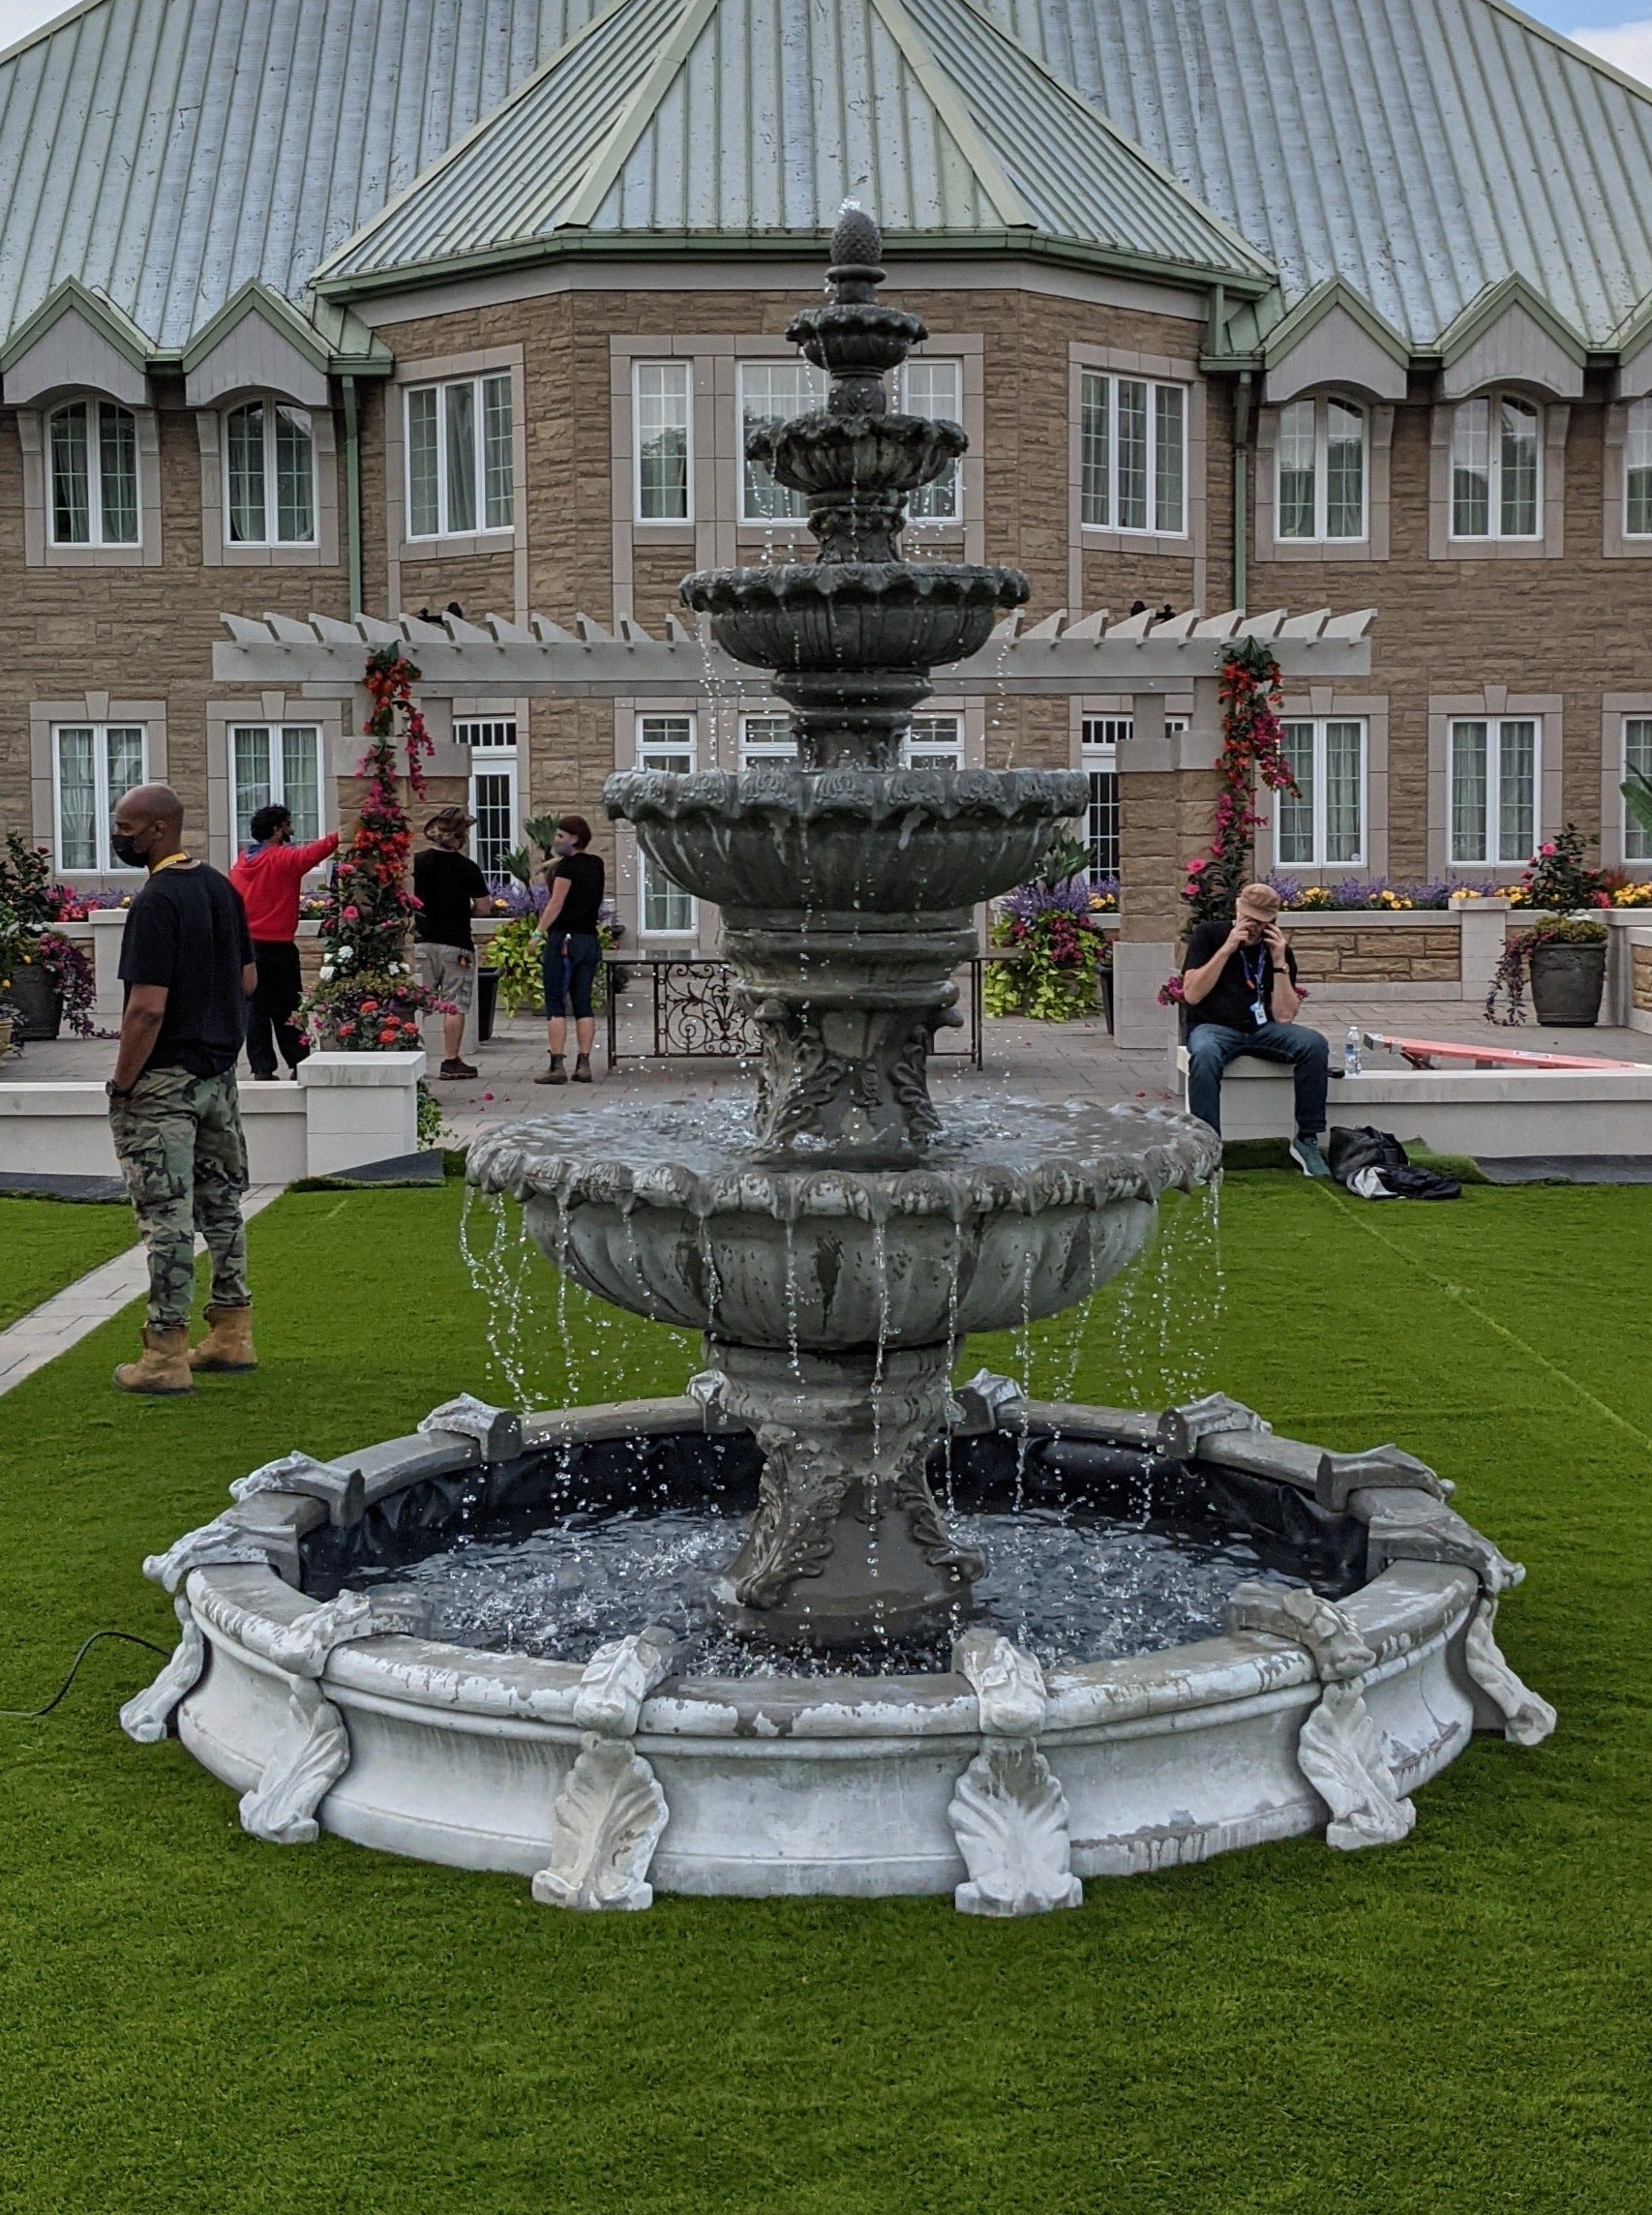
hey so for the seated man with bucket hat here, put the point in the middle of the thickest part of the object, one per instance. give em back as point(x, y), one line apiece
point(1239, 986)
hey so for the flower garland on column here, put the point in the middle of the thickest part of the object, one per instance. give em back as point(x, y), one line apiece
point(366, 999)
point(1253, 748)
point(1252, 751)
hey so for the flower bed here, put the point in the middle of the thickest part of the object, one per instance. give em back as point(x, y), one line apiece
point(1060, 954)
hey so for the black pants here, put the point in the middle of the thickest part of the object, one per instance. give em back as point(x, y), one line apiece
point(269, 1019)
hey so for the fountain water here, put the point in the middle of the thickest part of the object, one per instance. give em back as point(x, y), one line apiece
point(832, 1228)
point(730, 1642)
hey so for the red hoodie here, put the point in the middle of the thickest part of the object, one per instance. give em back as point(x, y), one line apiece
point(267, 879)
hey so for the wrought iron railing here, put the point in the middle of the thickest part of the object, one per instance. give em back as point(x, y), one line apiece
point(698, 1014)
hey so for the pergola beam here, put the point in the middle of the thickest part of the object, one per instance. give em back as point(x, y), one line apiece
point(323, 657)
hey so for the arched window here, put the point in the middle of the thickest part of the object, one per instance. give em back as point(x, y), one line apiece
point(1321, 468)
point(1496, 448)
point(93, 497)
point(1637, 472)
point(269, 474)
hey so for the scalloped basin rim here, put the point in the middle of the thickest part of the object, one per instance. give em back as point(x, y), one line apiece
point(783, 583)
point(1108, 1154)
point(870, 796)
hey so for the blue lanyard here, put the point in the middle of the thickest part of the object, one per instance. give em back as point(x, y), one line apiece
point(1254, 982)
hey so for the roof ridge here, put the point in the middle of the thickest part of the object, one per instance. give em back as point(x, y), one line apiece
point(599, 19)
point(43, 31)
point(954, 106)
point(638, 113)
point(1098, 115)
point(1571, 47)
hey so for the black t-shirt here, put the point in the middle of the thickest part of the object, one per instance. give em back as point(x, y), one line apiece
point(187, 930)
point(581, 902)
point(1230, 999)
point(445, 883)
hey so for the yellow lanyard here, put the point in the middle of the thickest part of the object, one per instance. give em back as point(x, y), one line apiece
point(169, 861)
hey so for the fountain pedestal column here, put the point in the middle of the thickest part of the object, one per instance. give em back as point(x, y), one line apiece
point(847, 1539)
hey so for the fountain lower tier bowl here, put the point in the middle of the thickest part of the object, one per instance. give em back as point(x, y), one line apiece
point(874, 844)
point(1011, 1212)
point(854, 617)
point(488, 1645)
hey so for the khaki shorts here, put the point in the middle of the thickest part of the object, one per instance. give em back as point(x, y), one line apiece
point(450, 972)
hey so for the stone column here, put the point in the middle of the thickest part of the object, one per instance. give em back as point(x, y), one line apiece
point(1482, 925)
point(1168, 797)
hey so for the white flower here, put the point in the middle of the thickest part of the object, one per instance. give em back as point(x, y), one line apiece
point(343, 953)
point(324, 972)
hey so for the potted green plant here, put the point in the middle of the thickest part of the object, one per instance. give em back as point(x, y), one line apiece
point(1567, 959)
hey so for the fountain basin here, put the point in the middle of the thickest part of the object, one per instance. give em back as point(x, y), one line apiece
point(1012, 1214)
point(787, 840)
point(852, 617)
point(809, 1784)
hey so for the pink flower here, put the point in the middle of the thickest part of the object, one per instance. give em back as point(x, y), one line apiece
point(1549, 849)
point(352, 915)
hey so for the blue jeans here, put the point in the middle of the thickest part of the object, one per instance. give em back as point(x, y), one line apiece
point(573, 955)
point(1210, 1046)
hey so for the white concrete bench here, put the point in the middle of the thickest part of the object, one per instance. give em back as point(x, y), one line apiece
point(1507, 1114)
point(345, 1110)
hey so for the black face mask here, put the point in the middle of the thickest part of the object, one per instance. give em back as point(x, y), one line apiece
point(128, 853)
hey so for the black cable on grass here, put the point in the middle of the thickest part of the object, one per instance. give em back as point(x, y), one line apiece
point(34, 1714)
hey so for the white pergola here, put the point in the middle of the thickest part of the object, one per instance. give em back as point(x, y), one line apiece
point(322, 657)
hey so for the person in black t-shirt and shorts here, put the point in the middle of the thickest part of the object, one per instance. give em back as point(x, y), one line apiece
point(186, 960)
point(1239, 984)
point(450, 890)
point(572, 948)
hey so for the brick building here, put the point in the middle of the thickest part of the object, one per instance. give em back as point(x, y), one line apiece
point(383, 305)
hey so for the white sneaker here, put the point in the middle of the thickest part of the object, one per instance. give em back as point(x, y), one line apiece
point(1306, 1153)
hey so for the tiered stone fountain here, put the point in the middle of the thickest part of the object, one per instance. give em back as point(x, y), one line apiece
point(833, 1242)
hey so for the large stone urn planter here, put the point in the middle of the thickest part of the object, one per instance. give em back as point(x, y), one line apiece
point(33, 992)
point(1566, 982)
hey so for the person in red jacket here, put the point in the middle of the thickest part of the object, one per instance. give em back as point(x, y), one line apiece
point(267, 878)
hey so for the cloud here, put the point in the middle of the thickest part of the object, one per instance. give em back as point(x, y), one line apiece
point(1627, 45)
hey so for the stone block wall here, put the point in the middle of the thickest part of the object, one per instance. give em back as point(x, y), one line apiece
point(1355, 955)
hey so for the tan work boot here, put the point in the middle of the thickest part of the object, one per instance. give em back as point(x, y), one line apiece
point(162, 1368)
point(228, 1345)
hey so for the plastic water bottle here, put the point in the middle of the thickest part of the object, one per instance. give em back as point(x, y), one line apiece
point(1351, 1052)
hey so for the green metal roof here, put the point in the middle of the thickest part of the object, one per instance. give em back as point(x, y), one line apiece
point(717, 121)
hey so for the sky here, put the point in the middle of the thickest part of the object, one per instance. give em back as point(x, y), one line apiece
point(1619, 29)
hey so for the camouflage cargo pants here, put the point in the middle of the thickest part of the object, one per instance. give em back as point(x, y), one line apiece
point(178, 1140)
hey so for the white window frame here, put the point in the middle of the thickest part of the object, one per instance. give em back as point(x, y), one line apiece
point(275, 727)
point(1492, 401)
point(934, 734)
point(95, 406)
point(1493, 858)
point(1637, 431)
point(792, 518)
point(684, 373)
point(951, 481)
point(104, 800)
point(766, 738)
point(1090, 377)
point(1320, 535)
point(1636, 842)
point(441, 387)
point(653, 740)
point(492, 744)
point(270, 401)
point(1320, 860)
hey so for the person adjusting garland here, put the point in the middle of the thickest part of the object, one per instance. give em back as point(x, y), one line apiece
point(186, 961)
point(1239, 984)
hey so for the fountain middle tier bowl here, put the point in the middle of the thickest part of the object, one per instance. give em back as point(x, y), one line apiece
point(787, 839)
point(854, 616)
point(1016, 1210)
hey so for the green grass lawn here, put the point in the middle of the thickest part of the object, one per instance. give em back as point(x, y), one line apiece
point(45, 1245)
point(192, 2022)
